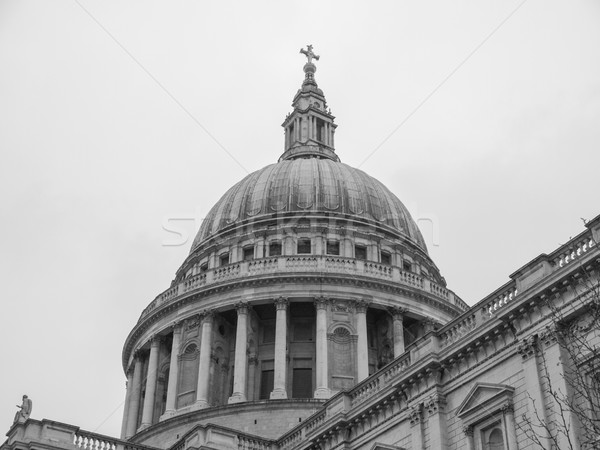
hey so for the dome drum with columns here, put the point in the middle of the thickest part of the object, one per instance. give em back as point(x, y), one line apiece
point(306, 276)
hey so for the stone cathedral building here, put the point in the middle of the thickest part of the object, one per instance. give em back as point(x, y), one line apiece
point(309, 316)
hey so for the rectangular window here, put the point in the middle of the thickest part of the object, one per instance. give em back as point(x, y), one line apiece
point(386, 258)
point(204, 267)
point(275, 248)
point(333, 247)
point(304, 247)
point(248, 253)
point(303, 331)
point(360, 252)
point(268, 333)
point(320, 129)
point(302, 383)
point(224, 259)
point(266, 384)
point(406, 266)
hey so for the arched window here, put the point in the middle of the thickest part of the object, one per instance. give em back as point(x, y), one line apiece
point(495, 440)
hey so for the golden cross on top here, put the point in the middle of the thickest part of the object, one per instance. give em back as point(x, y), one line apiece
point(309, 53)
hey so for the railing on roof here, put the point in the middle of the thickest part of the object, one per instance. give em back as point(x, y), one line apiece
point(334, 265)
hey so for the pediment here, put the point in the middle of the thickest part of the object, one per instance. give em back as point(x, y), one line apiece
point(380, 446)
point(485, 396)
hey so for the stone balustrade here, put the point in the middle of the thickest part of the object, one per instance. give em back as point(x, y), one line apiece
point(573, 250)
point(334, 265)
point(456, 329)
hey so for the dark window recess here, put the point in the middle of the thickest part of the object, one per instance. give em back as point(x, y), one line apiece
point(406, 266)
point(275, 249)
point(360, 252)
point(386, 258)
point(248, 253)
point(333, 247)
point(303, 331)
point(304, 246)
point(302, 383)
point(268, 334)
point(224, 259)
point(204, 267)
point(320, 130)
point(266, 384)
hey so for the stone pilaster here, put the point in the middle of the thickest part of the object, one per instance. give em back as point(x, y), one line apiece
point(398, 323)
point(527, 348)
point(280, 375)
point(136, 394)
point(415, 416)
point(204, 361)
point(468, 431)
point(322, 390)
point(152, 376)
point(362, 344)
point(241, 361)
point(508, 412)
point(252, 369)
point(435, 406)
point(173, 372)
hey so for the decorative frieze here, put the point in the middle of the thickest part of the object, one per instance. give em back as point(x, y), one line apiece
point(434, 404)
point(527, 347)
point(415, 414)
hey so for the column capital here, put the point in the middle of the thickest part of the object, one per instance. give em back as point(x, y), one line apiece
point(241, 308)
point(253, 359)
point(468, 430)
point(281, 303)
point(207, 316)
point(549, 335)
point(435, 403)
point(361, 306)
point(155, 340)
point(414, 414)
point(508, 407)
point(321, 302)
point(527, 347)
point(397, 312)
point(177, 326)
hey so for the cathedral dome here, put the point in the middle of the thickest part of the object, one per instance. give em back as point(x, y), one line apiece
point(309, 186)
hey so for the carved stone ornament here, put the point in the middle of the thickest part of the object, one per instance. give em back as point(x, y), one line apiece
point(208, 315)
point(434, 403)
point(508, 407)
point(397, 312)
point(192, 323)
point(361, 306)
point(281, 303)
point(527, 347)
point(414, 414)
point(241, 308)
point(321, 302)
point(468, 430)
point(548, 336)
point(341, 306)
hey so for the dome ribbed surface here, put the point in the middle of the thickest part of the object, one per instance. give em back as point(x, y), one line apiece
point(309, 185)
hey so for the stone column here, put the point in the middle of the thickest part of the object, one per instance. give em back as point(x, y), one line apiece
point(362, 344)
point(241, 361)
point(416, 428)
point(128, 389)
point(527, 348)
point(173, 373)
point(322, 390)
point(398, 321)
point(204, 361)
point(436, 416)
point(136, 393)
point(151, 378)
point(280, 375)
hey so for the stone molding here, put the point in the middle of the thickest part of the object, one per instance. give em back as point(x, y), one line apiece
point(527, 347)
point(435, 403)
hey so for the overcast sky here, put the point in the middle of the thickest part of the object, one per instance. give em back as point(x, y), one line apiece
point(482, 115)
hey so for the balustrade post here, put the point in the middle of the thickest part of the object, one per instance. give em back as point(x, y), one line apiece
point(241, 360)
point(362, 344)
point(149, 397)
point(280, 375)
point(173, 372)
point(204, 361)
point(322, 390)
